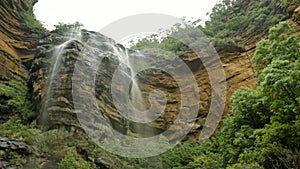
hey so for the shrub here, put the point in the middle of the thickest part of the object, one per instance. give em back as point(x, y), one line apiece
point(16, 99)
point(73, 161)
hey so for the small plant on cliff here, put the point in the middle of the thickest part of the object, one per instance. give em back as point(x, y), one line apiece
point(62, 28)
point(31, 22)
point(29, 19)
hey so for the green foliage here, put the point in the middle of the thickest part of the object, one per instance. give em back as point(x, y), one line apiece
point(178, 157)
point(14, 128)
point(207, 161)
point(55, 145)
point(282, 44)
point(228, 44)
point(286, 3)
point(180, 40)
point(40, 62)
point(230, 18)
point(245, 166)
point(12, 157)
point(263, 131)
point(31, 22)
point(151, 41)
point(73, 161)
point(63, 28)
point(168, 47)
point(16, 99)
point(29, 18)
point(249, 108)
point(274, 106)
point(30, 3)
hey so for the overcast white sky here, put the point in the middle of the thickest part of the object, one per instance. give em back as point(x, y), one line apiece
point(96, 14)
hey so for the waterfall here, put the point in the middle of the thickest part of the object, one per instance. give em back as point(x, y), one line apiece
point(53, 76)
point(94, 48)
point(135, 93)
point(135, 105)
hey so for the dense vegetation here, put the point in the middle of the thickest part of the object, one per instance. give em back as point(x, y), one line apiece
point(263, 130)
point(232, 22)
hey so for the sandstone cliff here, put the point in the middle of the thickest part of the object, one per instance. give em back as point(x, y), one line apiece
point(18, 45)
point(19, 33)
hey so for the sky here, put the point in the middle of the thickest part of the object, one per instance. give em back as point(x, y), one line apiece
point(96, 14)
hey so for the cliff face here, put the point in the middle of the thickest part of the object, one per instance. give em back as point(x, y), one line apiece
point(238, 71)
point(18, 62)
point(17, 48)
point(17, 41)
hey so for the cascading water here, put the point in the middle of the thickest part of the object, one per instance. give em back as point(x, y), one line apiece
point(135, 103)
point(53, 77)
point(136, 98)
point(94, 47)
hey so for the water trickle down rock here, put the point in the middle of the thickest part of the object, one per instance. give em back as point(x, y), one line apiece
point(55, 79)
point(52, 83)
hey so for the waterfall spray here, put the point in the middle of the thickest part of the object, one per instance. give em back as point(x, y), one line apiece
point(53, 76)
